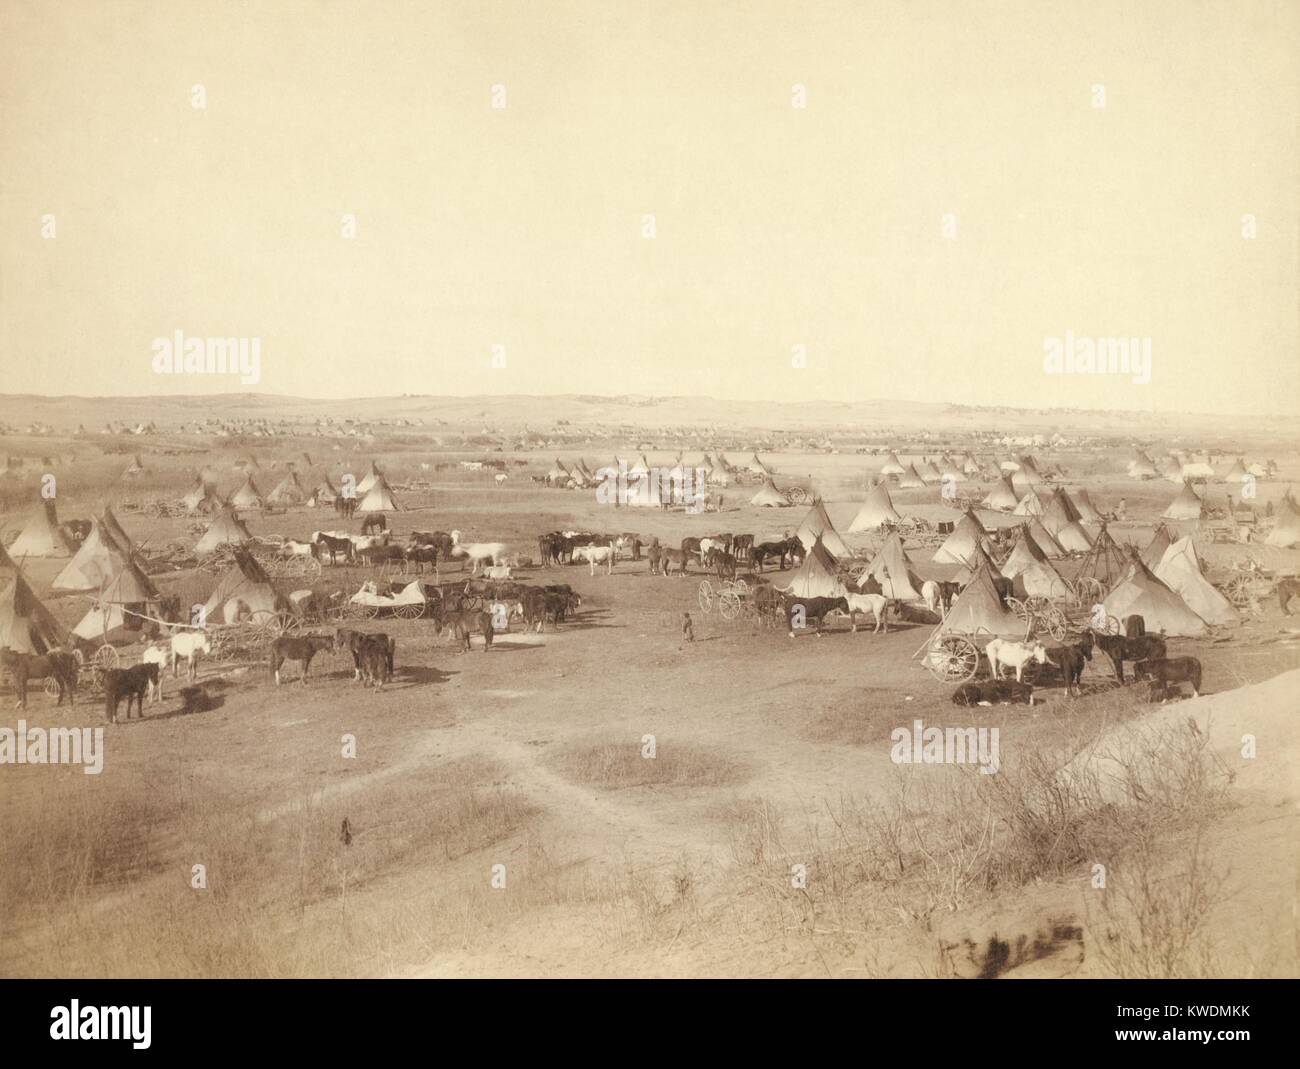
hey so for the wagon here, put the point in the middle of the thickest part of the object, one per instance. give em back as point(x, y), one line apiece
point(734, 598)
point(247, 639)
point(367, 603)
point(954, 657)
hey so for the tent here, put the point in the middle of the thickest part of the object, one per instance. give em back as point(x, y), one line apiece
point(1002, 497)
point(1073, 538)
point(289, 492)
point(379, 498)
point(244, 590)
point(891, 466)
point(1039, 580)
point(977, 560)
point(41, 537)
point(929, 473)
point(769, 496)
point(1180, 570)
point(1088, 512)
point(1060, 511)
point(26, 625)
point(226, 529)
point(1105, 561)
point(1028, 473)
point(117, 615)
point(1286, 528)
point(558, 473)
point(1163, 611)
point(202, 499)
point(1029, 505)
point(817, 526)
point(1025, 553)
point(960, 546)
point(878, 508)
point(1186, 506)
point(760, 467)
point(1142, 467)
point(1237, 473)
point(816, 577)
point(1155, 550)
point(892, 569)
point(92, 565)
point(978, 612)
point(369, 479)
point(247, 496)
point(1043, 539)
point(910, 479)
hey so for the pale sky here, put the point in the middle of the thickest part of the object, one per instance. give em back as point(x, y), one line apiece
point(775, 226)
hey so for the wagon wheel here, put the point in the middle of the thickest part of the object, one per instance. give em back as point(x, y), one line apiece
point(1088, 589)
point(1021, 609)
point(1113, 626)
point(222, 646)
point(706, 595)
point(796, 495)
point(311, 569)
point(1057, 624)
point(51, 686)
point(740, 587)
point(1237, 591)
point(107, 657)
point(271, 625)
point(953, 659)
point(408, 612)
point(729, 604)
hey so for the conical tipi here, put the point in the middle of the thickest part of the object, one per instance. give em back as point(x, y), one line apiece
point(877, 509)
point(816, 526)
point(1180, 570)
point(1162, 610)
point(816, 577)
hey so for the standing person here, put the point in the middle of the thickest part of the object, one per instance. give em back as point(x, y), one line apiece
point(688, 628)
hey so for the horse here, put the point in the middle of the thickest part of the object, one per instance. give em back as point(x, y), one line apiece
point(720, 561)
point(345, 506)
point(156, 655)
point(1119, 649)
point(130, 683)
point(876, 604)
point(992, 691)
point(1015, 655)
point(297, 648)
point(463, 624)
point(192, 645)
point(741, 546)
point(1286, 590)
point(439, 540)
point(374, 522)
point(939, 594)
point(1070, 659)
point(597, 555)
point(60, 664)
point(1164, 671)
point(476, 552)
point(670, 557)
point(345, 638)
point(781, 550)
point(334, 546)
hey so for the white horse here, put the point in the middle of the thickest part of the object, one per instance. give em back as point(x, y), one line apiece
point(477, 552)
point(876, 604)
point(1014, 655)
point(193, 646)
point(932, 595)
point(156, 655)
point(597, 555)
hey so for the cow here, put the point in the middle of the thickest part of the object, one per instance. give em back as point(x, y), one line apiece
point(1164, 671)
point(59, 664)
point(1119, 649)
point(800, 611)
point(297, 648)
point(1002, 653)
point(131, 684)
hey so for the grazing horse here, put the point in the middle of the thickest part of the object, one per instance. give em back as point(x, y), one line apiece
point(876, 604)
point(1002, 653)
point(334, 546)
point(297, 648)
point(193, 646)
point(1174, 670)
point(57, 663)
point(1119, 649)
point(1286, 590)
point(374, 522)
point(758, 554)
point(131, 684)
point(800, 611)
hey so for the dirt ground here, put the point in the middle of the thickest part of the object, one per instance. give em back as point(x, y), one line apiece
point(502, 818)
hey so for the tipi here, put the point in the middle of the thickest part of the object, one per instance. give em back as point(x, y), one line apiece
point(1163, 611)
point(877, 509)
point(1180, 570)
point(41, 537)
point(817, 526)
point(816, 577)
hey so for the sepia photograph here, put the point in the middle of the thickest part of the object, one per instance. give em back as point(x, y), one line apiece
point(652, 490)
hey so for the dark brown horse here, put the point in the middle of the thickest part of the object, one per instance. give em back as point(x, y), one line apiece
point(297, 648)
point(59, 664)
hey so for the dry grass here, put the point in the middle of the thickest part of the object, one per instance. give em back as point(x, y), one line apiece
point(619, 766)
